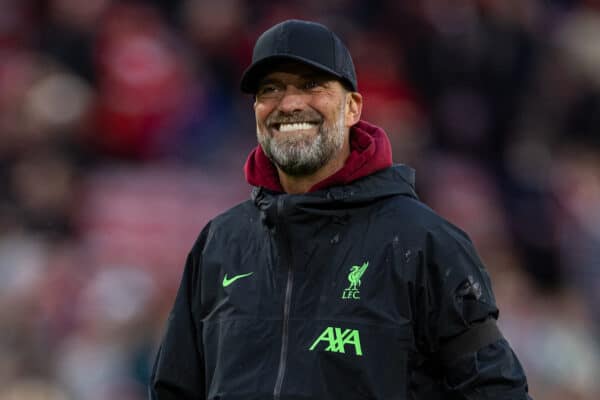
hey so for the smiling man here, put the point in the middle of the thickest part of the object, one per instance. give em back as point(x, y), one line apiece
point(334, 281)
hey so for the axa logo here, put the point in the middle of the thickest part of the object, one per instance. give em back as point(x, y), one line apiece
point(356, 272)
point(337, 340)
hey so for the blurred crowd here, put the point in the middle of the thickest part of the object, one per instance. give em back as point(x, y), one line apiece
point(123, 131)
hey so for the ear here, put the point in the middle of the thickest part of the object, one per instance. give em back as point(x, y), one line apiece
point(353, 108)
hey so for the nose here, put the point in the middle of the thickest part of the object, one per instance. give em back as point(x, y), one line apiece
point(292, 100)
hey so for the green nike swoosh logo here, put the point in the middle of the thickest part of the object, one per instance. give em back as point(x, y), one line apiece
point(227, 282)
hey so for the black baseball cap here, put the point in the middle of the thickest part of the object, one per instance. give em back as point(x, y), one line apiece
point(303, 41)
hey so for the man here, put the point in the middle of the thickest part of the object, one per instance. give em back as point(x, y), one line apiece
point(334, 281)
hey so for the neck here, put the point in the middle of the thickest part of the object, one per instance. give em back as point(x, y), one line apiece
point(302, 184)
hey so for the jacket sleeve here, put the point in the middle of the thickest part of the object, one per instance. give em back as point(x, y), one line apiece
point(178, 371)
point(460, 332)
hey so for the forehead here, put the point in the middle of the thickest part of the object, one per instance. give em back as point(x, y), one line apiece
point(295, 71)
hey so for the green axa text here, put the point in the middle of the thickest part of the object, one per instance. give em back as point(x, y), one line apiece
point(337, 339)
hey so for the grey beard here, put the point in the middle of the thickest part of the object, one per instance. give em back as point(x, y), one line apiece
point(300, 156)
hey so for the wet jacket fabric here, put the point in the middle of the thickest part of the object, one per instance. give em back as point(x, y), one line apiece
point(354, 291)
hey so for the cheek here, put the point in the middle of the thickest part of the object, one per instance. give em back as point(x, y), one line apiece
point(261, 112)
point(328, 108)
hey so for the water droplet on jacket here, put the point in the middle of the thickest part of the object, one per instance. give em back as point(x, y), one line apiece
point(407, 255)
point(396, 241)
point(470, 288)
point(335, 239)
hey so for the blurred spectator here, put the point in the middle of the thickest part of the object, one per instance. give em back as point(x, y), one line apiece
point(69, 30)
point(143, 82)
point(576, 181)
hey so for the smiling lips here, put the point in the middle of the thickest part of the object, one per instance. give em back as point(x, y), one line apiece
point(297, 126)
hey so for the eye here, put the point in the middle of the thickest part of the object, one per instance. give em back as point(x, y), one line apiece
point(311, 84)
point(267, 90)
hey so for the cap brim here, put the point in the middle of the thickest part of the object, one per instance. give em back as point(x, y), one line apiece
point(254, 73)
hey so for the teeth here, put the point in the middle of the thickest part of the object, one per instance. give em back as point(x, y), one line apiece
point(294, 127)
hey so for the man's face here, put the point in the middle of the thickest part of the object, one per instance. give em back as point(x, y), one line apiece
point(301, 118)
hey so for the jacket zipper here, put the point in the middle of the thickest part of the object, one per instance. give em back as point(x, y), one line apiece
point(286, 306)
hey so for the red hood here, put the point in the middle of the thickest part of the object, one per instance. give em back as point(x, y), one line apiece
point(370, 151)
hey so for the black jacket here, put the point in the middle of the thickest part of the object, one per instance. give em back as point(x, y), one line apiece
point(353, 292)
